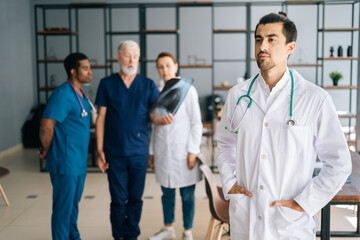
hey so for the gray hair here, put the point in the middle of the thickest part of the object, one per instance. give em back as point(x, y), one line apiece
point(128, 44)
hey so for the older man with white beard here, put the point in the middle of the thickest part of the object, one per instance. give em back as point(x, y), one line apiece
point(123, 101)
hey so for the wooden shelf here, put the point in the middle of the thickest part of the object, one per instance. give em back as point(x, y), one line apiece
point(338, 29)
point(340, 87)
point(344, 114)
point(299, 64)
point(207, 124)
point(122, 32)
point(115, 60)
point(195, 66)
point(351, 142)
point(47, 88)
point(88, 4)
point(56, 32)
point(222, 87)
point(229, 30)
point(340, 58)
point(62, 60)
point(51, 60)
point(100, 66)
point(304, 64)
point(302, 2)
point(160, 31)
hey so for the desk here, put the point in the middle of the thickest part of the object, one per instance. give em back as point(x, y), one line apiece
point(348, 195)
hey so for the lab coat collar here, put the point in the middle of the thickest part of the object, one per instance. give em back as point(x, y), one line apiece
point(285, 95)
point(258, 97)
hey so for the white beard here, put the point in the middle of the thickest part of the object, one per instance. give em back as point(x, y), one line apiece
point(127, 71)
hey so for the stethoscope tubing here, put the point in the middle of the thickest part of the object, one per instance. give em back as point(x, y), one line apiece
point(83, 111)
point(290, 122)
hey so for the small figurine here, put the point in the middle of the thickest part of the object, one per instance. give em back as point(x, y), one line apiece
point(331, 51)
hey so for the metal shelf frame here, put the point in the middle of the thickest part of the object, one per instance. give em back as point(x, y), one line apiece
point(142, 32)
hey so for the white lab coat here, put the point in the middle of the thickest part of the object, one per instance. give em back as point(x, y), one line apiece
point(275, 161)
point(170, 145)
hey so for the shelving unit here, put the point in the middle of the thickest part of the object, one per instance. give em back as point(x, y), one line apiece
point(45, 33)
point(142, 32)
point(324, 59)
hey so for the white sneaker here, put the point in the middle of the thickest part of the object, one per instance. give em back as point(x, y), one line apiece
point(166, 233)
point(187, 235)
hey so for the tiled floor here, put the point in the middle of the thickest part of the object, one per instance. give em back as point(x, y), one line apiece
point(29, 192)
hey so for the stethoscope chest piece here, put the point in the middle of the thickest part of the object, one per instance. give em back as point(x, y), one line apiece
point(291, 122)
point(84, 113)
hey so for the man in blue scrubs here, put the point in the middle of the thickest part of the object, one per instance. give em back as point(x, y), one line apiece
point(123, 101)
point(65, 134)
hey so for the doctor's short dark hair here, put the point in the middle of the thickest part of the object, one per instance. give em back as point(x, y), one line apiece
point(72, 62)
point(289, 27)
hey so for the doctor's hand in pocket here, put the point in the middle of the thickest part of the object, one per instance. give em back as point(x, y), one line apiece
point(103, 165)
point(236, 189)
point(151, 162)
point(288, 203)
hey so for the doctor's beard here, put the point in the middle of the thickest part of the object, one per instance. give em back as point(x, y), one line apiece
point(265, 64)
point(129, 71)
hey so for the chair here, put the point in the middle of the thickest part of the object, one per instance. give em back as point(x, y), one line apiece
point(3, 173)
point(219, 207)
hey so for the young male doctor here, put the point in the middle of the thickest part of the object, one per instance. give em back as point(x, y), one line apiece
point(272, 129)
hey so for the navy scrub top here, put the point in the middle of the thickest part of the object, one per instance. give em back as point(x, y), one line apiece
point(69, 148)
point(127, 114)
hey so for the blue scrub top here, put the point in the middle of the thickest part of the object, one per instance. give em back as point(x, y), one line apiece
point(69, 148)
point(127, 114)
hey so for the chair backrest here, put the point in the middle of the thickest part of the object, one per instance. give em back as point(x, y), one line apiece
point(3, 172)
point(219, 207)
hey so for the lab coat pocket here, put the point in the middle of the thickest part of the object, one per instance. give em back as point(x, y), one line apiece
point(239, 213)
point(289, 215)
point(293, 224)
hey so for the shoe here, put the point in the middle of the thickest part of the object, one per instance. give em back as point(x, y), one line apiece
point(187, 235)
point(166, 233)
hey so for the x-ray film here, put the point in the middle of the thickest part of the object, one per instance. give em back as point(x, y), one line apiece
point(171, 97)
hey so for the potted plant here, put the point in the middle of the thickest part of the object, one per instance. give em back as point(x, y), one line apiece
point(335, 76)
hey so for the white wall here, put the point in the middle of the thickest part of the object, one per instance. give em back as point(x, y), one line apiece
point(16, 79)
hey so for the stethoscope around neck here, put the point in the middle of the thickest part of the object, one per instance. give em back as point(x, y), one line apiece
point(290, 122)
point(84, 113)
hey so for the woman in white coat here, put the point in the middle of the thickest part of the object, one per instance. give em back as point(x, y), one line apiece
point(173, 150)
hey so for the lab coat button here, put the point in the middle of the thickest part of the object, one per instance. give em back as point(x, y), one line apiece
point(261, 187)
point(259, 217)
point(263, 156)
point(266, 124)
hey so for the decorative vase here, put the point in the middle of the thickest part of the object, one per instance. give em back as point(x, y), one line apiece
point(340, 51)
point(335, 82)
point(349, 51)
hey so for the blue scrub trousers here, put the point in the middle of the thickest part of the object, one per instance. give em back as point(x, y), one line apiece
point(67, 191)
point(188, 205)
point(126, 177)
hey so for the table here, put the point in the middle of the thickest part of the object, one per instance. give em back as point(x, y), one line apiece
point(348, 195)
